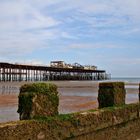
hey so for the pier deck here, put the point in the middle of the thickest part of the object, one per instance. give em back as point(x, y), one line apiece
point(18, 72)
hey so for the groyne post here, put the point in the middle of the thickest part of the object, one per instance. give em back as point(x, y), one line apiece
point(139, 92)
point(111, 94)
point(37, 100)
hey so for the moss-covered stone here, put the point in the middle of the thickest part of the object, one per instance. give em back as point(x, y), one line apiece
point(111, 94)
point(38, 99)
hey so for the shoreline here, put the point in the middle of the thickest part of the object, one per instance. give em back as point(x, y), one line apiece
point(74, 96)
point(64, 84)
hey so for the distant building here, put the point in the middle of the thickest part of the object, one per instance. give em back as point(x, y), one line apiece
point(57, 64)
point(89, 67)
point(62, 64)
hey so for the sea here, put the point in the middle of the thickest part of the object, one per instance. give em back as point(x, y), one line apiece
point(126, 79)
point(14, 88)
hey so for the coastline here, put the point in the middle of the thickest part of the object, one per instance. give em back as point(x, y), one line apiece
point(74, 96)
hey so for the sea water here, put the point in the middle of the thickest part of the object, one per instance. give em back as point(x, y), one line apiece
point(126, 79)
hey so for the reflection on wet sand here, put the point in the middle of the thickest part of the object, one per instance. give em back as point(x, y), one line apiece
point(74, 97)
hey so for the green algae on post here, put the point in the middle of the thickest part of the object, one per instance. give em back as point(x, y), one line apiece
point(111, 94)
point(38, 99)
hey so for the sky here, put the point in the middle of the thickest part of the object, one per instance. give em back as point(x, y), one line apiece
point(105, 33)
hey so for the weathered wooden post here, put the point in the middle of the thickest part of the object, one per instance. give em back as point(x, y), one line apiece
point(111, 94)
point(139, 92)
point(37, 99)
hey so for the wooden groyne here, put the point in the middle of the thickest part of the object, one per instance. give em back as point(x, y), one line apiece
point(114, 122)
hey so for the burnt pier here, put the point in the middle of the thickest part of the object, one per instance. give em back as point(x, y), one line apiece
point(20, 72)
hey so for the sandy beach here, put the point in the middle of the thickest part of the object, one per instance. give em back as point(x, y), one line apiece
point(74, 96)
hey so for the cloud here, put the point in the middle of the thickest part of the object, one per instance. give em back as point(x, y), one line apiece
point(62, 28)
point(130, 8)
point(125, 61)
point(31, 62)
point(102, 16)
point(94, 46)
point(21, 27)
point(20, 15)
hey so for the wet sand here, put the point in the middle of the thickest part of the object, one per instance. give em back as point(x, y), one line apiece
point(74, 96)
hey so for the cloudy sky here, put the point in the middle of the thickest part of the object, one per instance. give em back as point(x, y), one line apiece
point(105, 33)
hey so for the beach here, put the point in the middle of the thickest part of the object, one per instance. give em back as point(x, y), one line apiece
point(74, 96)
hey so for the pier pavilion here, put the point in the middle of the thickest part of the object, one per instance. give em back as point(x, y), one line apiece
point(18, 72)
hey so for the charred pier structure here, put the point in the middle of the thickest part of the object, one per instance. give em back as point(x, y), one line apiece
point(18, 72)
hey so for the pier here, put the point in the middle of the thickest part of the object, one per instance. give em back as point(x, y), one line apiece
point(21, 72)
